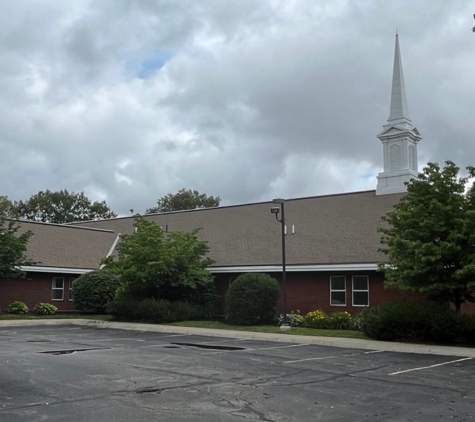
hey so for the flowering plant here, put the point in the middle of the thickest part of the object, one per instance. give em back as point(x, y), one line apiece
point(294, 319)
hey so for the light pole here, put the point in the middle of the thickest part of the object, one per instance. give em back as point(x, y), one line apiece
point(275, 211)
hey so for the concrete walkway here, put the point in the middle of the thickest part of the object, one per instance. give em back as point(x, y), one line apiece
point(287, 338)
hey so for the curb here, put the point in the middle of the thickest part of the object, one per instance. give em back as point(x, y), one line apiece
point(373, 345)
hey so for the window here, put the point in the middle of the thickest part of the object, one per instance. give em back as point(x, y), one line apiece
point(360, 290)
point(57, 292)
point(338, 290)
point(71, 282)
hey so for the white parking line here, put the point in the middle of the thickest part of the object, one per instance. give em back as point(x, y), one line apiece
point(430, 366)
point(373, 351)
point(304, 360)
point(282, 347)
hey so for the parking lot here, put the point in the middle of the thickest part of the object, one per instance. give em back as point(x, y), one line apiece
point(72, 373)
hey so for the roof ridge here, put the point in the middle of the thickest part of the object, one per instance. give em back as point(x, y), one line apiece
point(221, 207)
point(64, 225)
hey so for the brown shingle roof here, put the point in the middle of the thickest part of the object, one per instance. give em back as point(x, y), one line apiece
point(333, 229)
point(55, 245)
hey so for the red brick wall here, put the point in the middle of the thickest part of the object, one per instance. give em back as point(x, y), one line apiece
point(36, 287)
point(308, 291)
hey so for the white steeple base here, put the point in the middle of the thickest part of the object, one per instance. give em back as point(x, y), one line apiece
point(394, 181)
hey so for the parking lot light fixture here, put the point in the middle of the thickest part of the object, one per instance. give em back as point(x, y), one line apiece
point(276, 211)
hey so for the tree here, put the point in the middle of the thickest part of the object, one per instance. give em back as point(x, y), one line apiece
point(152, 263)
point(430, 237)
point(7, 208)
point(13, 246)
point(62, 207)
point(184, 199)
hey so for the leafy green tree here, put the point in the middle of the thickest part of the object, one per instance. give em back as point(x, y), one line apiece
point(13, 246)
point(430, 236)
point(184, 199)
point(7, 208)
point(62, 207)
point(152, 263)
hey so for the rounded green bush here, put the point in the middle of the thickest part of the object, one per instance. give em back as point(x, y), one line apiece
point(252, 300)
point(17, 307)
point(93, 291)
point(44, 309)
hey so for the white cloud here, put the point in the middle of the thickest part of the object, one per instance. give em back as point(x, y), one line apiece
point(245, 100)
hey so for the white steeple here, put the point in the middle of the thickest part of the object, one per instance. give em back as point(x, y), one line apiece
point(399, 137)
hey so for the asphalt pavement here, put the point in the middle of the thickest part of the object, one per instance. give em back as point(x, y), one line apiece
point(58, 372)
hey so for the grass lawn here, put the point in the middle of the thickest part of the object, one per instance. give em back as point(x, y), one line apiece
point(216, 325)
point(5, 316)
point(272, 329)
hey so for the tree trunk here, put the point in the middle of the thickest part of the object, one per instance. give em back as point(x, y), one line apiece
point(457, 304)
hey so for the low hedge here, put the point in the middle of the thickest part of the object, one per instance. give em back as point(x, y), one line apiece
point(424, 322)
point(155, 311)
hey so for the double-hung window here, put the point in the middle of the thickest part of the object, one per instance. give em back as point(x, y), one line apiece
point(360, 290)
point(338, 290)
point(57, 292)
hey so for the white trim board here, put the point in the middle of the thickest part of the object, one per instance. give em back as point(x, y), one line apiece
point(224, 270)
point(55, 270)
point(293, 268)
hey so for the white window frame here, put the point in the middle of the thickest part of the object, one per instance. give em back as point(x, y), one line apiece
point(53, 288)
point(70, 293)
point(353, 290)
point(337, 290)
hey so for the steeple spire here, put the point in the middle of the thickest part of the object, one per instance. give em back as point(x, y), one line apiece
point(399, 137)
point(399, 114)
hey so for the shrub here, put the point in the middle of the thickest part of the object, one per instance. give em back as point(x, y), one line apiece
point(152, 311)
point(45, 309)
point(356, 322)
point(334, 321)
point(17, 307)
point(396, 320)
point(124, 309)
point(401, 320)
point(315, 319)
point(293, 319)
point(339, 321)
point(252, 299)
point(93, 291)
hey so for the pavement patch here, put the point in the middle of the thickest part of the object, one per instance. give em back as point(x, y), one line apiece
point(67, 352)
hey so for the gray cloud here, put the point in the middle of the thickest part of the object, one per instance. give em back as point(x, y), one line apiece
point(130, 100)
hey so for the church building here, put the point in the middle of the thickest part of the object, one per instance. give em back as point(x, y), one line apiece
point(332, 242)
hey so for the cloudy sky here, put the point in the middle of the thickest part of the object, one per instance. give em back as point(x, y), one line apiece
point(128, 100)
